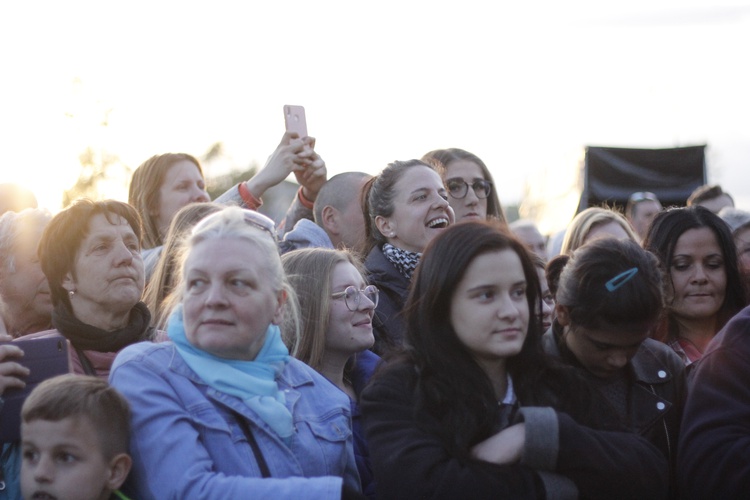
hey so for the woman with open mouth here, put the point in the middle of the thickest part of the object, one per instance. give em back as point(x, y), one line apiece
point(405, 207)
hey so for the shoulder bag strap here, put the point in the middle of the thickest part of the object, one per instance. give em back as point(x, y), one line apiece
point(264, 470)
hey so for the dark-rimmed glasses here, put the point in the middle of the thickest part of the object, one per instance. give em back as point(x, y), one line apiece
point(352, 296)
point(458, 188)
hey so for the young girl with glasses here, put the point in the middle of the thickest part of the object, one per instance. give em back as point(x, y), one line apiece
point(336, 306)
point(472, 194)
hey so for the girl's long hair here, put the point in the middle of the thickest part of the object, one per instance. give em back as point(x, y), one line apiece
point(451, 385)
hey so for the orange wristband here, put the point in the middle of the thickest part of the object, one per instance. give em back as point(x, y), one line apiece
point(304, 201)
point(251, 201)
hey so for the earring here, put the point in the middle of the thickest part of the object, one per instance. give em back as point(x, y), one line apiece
point(72, 292)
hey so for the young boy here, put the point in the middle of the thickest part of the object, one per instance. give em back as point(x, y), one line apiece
point(74, 434)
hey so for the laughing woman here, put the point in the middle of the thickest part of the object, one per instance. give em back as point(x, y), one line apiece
point(405, 207)
point(474, 409)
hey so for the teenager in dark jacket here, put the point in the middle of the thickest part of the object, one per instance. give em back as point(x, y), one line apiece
point(609, 299)
point(474, 409)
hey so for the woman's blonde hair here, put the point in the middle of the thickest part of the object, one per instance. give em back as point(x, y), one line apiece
point(163, 282)
point(309, 272)
point(585, 221)
point(232, 223)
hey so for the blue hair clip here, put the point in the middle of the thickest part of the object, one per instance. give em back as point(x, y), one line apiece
point(621, 279)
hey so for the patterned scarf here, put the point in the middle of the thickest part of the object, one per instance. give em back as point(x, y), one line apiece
point(404, 260)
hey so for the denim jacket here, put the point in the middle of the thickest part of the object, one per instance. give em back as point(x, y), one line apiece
point(187, 442)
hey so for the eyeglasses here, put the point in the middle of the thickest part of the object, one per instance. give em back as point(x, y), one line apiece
point(352, 296)
point(642, 196)
point(458, 188)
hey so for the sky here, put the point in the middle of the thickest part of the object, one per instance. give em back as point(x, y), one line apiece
point(524, 87)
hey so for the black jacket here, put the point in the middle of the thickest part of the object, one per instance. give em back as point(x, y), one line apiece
point(388, 323)
point(561, 459)
point(657, 392)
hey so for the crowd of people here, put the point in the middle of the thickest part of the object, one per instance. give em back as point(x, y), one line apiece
point(393, 337)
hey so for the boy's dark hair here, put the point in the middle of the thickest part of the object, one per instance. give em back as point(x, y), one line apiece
point(72, 395)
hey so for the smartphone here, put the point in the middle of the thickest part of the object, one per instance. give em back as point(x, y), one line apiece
point(294, 119)
point(45, 358)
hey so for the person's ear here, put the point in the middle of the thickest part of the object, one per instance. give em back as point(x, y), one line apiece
point(386, 226)
point(68, 283)
point(563, 314)
point(330, 220)
point(278, 315)
point(119, 468)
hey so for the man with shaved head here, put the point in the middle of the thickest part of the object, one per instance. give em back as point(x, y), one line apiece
point(338, 216)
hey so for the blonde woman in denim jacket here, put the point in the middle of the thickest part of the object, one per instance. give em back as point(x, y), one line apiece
point(223, 411)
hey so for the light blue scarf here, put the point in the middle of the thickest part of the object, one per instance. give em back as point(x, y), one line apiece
point(252, 381)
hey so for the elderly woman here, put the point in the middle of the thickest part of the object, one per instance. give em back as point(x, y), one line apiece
point(91, 255)
point(337, 306)
point(405, 207)
point(25, 304)
point(234, 414)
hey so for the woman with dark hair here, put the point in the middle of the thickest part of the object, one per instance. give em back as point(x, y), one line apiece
point(91, 255)
point(609, 299)
point(336, 306)
point(404, 207)
point(460, 171)
point(474, 409)
point(705, 288)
